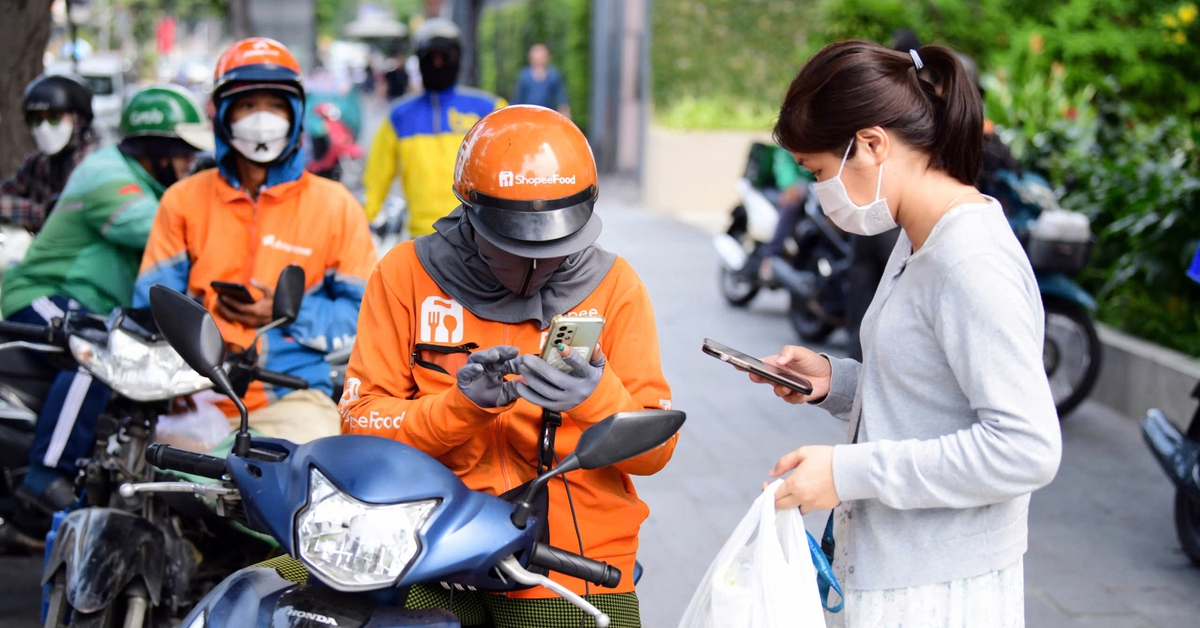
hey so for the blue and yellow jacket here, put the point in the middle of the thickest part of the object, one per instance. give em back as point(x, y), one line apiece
point(420, 138)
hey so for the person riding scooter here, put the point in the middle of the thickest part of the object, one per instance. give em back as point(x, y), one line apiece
point(246, 220)
point(422, 133)
point(58, 112)
point(86, 258)
point(447, 316)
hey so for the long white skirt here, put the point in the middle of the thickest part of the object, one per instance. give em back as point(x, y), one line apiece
point(993, 600)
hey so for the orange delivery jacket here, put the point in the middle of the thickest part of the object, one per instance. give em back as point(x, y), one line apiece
point(206, 231)
point(401, 385)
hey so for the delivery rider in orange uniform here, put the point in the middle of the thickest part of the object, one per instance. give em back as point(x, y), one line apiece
point(253, 215)
point(447, 316)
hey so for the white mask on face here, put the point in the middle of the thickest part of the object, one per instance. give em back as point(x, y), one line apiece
point(871, 219)
point(260, 136)
point(52, 138)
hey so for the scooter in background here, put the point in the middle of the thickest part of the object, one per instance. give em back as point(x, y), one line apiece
point(1179, 454)
point(816, 255)
point(1058, 243)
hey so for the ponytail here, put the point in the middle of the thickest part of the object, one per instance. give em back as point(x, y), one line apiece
point(853, 85)
point(958, 147)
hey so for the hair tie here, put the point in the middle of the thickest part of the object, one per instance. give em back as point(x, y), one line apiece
point(916, 59)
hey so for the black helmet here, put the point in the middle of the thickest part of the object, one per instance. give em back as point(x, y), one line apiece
point(58, 92)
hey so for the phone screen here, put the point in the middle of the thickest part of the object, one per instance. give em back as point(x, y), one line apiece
point(235, 291)
point(775, 374)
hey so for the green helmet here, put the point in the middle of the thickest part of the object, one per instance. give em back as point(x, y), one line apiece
point(167, 111)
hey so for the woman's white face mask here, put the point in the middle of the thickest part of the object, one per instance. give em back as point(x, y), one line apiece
point(261, 136)
point(52, 138)
point(866, 220)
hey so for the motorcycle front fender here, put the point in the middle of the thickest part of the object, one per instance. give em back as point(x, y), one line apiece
point(257, 597)
point(1061, 286)
point(102, 551)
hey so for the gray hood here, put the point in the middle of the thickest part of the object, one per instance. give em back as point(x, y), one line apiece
point(452, 259)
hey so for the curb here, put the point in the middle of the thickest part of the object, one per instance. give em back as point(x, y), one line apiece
point(1138, 375)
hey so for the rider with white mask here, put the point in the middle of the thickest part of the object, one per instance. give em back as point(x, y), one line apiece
point(256, 213)
point(58, 113)
point(951, 424)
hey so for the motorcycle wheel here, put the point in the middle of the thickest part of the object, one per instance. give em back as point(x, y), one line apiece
point(809, 326)
point(1187, 524)
point(738, 288)
point(1071, 354)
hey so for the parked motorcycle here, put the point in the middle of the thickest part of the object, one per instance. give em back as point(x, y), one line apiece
point(1059, 244)
point(369, 517)
point(1179, 455)
point(818, 254)
point(121, 558)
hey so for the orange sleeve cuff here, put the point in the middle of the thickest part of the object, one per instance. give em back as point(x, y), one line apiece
point(609, 398)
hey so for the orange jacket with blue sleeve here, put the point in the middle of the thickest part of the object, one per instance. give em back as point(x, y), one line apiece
point(208, 231)
point(401, 385)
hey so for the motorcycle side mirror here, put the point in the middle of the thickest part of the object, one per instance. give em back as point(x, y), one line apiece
point(289, 292)
point(618, 438)
point(193, 334)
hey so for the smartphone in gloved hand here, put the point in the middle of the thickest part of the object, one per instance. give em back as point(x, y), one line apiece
point(581, 333)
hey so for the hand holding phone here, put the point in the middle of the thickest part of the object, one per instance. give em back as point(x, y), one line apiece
point(797, 374)
point(233, 291)
point(581, 333)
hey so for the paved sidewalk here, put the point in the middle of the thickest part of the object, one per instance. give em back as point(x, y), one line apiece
point(1103, 551)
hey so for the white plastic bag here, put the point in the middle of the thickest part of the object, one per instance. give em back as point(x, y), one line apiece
point(763, 577)
point(199, 429)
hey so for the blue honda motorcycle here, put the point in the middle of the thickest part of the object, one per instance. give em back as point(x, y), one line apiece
point(369, 517)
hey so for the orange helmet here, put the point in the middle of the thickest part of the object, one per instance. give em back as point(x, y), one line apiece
point(527, 178)
point(257, 63)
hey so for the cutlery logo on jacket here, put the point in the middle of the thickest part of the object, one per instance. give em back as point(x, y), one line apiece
point(441, 321)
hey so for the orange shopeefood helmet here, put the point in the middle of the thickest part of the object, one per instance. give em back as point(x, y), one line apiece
point(527, 179)
point(257, 63)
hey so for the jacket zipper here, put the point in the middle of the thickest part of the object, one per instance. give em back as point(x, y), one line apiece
point(437, 113)
point(249, 273)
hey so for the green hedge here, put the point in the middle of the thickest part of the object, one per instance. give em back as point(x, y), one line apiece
point(507, 31)
point(725, 63)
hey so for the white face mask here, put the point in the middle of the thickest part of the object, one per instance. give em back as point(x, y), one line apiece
point(871, 219)
point(260, 136)
point(52, 138)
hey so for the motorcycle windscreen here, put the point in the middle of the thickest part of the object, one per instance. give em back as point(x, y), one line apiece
point(103, 550)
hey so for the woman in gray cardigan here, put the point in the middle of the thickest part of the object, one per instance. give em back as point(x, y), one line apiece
point(951, 420)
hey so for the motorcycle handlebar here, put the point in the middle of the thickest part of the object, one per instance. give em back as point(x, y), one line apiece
point(36, 333)
point(172, 459)
point(564, 562)
point(279, 379)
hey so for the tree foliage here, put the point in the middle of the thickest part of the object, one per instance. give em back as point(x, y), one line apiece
point(507, 31)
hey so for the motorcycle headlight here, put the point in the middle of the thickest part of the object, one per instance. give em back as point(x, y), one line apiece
point(354, 545)
point(137, 370)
